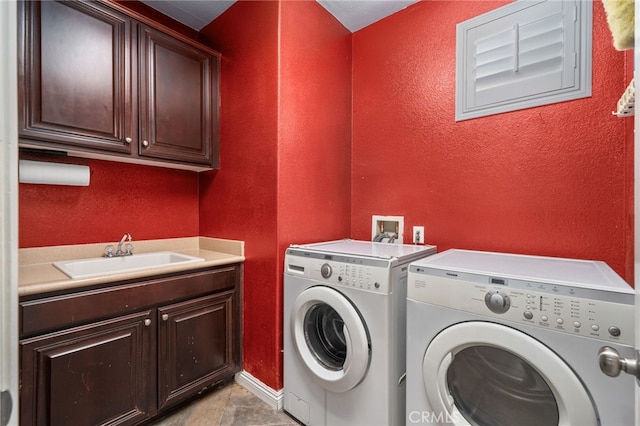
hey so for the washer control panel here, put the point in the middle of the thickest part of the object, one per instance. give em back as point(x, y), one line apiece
point(590, 313)
point(352, 272)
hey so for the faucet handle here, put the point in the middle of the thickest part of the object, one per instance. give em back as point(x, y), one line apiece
point(128, 249)
point(108, 251)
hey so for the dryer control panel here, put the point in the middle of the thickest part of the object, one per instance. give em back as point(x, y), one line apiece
point(607, 315)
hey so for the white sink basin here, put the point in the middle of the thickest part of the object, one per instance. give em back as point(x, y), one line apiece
point(98, 266)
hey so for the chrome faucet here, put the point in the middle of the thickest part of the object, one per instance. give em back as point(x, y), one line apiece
point(128, 248)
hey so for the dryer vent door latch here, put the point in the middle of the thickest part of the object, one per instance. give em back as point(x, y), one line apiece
point(611, 363)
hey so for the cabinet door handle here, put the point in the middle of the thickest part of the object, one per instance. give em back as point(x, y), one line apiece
point(128, 139)
point(145, 143)
point(147, 322)
point(165, 317)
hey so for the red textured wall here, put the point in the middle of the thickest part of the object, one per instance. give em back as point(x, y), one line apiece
point(554, 180)
point(148, 202)
point(285, 152)
point(240, 200)
point(314, 126)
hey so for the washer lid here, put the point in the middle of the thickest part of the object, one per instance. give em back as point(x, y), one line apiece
point(583, 273)
point(402, 252)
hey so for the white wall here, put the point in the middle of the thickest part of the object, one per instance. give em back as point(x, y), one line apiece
point(8, 210)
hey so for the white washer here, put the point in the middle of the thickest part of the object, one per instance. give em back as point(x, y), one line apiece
point(345, 330)
point(500, 339)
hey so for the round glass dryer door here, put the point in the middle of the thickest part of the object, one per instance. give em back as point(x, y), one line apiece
point(486, 374)
point(331, 338)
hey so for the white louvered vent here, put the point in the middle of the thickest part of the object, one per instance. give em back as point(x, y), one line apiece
point(525, 54)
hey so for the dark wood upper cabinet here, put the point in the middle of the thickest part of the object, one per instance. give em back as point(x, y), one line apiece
point(76, 75)
point(177, 107)
point(98, 80)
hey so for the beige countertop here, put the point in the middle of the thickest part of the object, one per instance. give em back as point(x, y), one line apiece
point(37, 274)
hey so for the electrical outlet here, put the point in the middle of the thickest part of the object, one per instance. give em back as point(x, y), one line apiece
point(418, 235)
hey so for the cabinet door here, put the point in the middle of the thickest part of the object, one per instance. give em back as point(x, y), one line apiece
point(75, 76)
point(195, 346)
point(178, 100)
point(103, 373)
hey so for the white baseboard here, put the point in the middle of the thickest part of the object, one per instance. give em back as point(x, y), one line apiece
point(273, 398)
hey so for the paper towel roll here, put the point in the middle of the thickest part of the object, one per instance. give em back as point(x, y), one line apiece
point(53, 173)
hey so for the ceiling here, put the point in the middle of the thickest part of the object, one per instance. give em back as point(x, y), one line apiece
point(353, 14)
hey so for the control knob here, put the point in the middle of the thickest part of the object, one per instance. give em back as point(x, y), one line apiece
point(325, 270)
point(497, 301)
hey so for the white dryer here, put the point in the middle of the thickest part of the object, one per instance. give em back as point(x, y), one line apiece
point(501, 340)
point(344, 331)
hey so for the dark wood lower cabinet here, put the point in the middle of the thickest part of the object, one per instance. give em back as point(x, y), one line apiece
point(95, 374)
point(193, 346)
point(125, 369)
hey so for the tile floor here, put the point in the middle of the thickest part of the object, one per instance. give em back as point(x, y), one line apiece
point(230, 405)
